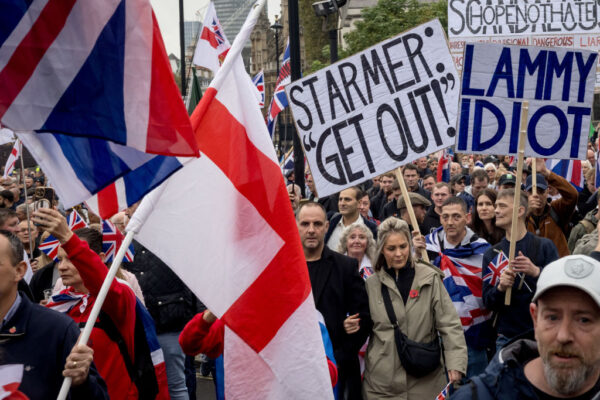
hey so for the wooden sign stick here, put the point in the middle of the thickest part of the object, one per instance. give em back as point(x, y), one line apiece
point(517, 198)
point(533, 175)
point(409, 207)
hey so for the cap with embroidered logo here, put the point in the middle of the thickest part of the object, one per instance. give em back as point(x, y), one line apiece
point(578, 271)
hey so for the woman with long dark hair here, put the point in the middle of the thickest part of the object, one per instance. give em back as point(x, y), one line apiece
point(483, 222)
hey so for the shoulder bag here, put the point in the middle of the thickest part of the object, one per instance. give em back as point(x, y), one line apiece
point(418, 359)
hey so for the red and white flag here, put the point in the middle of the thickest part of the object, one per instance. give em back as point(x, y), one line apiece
point(212, 45)
point(230, 209)
point(10, 379)
point(12, 159)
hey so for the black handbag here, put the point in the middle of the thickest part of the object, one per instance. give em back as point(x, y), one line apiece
point(418, 359)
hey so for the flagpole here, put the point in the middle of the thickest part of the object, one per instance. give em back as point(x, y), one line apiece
point(147, 204)
point(409, 208)
point(26, 202)
point(517, 197)
point(89, 325)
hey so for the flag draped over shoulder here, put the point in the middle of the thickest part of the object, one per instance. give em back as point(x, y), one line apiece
point(88, 88)
point(571, 170)
point(231, 207)
point(463, 281)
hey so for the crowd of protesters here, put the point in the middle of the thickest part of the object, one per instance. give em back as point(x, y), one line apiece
point(411, 310)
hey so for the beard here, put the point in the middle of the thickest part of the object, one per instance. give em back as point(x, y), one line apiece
point(563, 379)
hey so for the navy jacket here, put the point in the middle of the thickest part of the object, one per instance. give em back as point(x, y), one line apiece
point(41, 339)
point(503, 377)
point(514, 319)
point(336, 219)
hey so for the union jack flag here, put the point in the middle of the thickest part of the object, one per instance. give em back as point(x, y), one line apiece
point(571, 170)
point(213, 34)
point(444, 393)
point(89, 90)
point(495, 268)
point(111, 242)
point(75, 221)
point(280, 100)
point(461, 266)
point(50, 247)
point(259, 82)
point(443, 168)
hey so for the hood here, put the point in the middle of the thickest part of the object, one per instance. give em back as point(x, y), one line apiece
point(504, 375)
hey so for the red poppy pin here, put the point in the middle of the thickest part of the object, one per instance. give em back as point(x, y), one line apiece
point(413, 294)
point(12, 330)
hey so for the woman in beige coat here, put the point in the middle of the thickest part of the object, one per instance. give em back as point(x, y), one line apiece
point(422, 307)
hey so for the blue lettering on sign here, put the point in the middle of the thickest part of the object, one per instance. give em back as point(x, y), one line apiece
point(503, 71)
point(480, 105)
point(466, 83)
point(544, 70)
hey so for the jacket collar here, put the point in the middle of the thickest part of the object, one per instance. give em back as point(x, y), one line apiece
point(423, 277)
point(327, 256)
point(17, 324)
point(505, 377)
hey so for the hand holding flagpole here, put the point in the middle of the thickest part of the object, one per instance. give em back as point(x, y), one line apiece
point(146, 206)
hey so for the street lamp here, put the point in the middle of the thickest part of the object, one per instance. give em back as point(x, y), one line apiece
point(277, 27)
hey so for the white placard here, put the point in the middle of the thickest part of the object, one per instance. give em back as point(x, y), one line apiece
point(558, 83)
point(520, 17)
point(378, 109)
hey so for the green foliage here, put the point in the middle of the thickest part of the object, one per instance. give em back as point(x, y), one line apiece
point(389, 18)
point(312, 30)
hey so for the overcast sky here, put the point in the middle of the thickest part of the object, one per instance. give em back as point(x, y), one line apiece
point(167, 14)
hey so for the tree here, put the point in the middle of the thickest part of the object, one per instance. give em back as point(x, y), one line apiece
point(389, 18)
point(314, 36)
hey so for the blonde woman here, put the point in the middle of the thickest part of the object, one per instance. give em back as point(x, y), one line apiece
point(422, 309)
point(357, 242)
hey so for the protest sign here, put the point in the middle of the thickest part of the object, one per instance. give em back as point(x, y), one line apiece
point(558, 83)
point(377, 110)
point(572, 24)
point(498, 17)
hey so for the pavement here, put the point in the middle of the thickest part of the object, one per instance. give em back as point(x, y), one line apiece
point(205, 388)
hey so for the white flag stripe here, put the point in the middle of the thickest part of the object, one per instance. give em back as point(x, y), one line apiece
point(247, 375)
point(228, 221)
point(137, 70)
point(58, 165)
point(294, 338)
point(71, 48)
point(251, 118)
point(21, 30)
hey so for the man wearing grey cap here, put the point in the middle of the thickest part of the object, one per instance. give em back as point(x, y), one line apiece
point(549, 220)
point(564, 361)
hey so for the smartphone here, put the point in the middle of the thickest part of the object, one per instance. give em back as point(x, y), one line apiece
point(43, 197)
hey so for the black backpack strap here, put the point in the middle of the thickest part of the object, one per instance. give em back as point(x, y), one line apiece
point(107, 325)
point(141, 370)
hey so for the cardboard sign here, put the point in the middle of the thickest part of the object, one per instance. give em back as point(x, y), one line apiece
point(558, 83)
point(501, 17)
point(378, 109)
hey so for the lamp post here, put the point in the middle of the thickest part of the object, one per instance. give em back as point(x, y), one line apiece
point(276, 28)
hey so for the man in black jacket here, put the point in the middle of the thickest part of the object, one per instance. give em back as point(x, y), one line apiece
point(339, 292)
point(39, 342)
